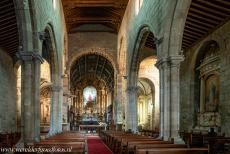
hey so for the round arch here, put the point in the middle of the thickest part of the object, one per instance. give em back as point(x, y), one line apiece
point(52, 52)
point(133, 65)
point(98, 51)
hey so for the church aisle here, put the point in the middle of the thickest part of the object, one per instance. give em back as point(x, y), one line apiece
point(97, 146)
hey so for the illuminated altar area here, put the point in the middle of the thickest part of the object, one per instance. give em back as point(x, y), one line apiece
point(89, 108)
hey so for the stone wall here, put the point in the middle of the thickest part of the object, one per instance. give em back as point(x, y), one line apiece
point(188, 100)
point(151, 13)
point(8, 94)
point(84, 42)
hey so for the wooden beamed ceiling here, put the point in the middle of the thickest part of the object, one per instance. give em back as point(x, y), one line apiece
point(105, 12)
point(204, 17)
point(92, 66)
point(9, 39)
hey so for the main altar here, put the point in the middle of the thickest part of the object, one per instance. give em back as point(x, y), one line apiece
point(89, 114)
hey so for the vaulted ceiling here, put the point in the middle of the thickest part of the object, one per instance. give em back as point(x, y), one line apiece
point(108, 13)
point(204, 17)
point(9, 38)
point(92, 67)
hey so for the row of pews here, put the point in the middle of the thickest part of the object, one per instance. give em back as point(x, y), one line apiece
point(126, 143)
point(151, 133)
point(8, 140)
point(217, 143)
point(74, 140)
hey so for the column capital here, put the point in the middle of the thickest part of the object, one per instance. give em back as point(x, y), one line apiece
point(56, 88)
point(29, 56)
point(38, 57)
point(162, 62)
point(25, 56)
point(176, 60)
point(132, 89)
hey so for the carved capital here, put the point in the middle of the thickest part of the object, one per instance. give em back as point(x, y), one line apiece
point(176, 60)
point(25, 56)
point(29, 56)
point(162, 63)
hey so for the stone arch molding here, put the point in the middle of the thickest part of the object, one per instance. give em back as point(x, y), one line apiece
point(134, 63)
point(99, 51)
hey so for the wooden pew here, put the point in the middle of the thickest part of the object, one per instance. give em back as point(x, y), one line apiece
point(150, 146)
point(172, 151)
point(72, 140)
point(130, 147)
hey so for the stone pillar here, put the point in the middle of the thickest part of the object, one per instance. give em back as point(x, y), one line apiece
point(161, 72)
point(175, 96)
point(131, 109)
point(30, 108)
point(54, 115)
point(36, 95)
point(170, 97)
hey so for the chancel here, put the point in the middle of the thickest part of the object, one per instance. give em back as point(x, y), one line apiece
point(115, 76)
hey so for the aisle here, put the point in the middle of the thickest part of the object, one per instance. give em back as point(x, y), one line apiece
point(97, 146)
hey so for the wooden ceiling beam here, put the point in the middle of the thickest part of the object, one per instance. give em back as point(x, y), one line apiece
point(192, 24)
point(189, 39)
point(185, 43)
point(4, 1)
point(96, 3)
point(223, 2)
point(194, 29)
point(8, 14)
point(211, 4)
point(186, 30)
point(82, 19)
point(9, 5)
point(200, 22)
point(209, 9)
point(9, 42)
point(202, 18)
point(191, 36)
point(206, 14)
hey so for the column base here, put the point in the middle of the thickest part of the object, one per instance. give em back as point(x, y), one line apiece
point(20, 143)
point(51, 133)
point(178, 140)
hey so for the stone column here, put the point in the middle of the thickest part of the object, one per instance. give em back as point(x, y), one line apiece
point(27, 108)
point(170, 97)
point(175, 97)
point(164, 69)
point(54, 115)
point(36, 95)
point(161, 72)
point(131, 109)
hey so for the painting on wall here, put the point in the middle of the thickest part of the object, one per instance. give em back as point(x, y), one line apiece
point(89, 95)
point(212, 93)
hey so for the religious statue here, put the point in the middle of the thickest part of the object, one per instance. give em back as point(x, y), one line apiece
point(212, 98)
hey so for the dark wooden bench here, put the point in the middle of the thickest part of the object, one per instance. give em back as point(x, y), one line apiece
point(172, 151)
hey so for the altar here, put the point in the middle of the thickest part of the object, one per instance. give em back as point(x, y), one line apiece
point(92, 128)
point(89, 123)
